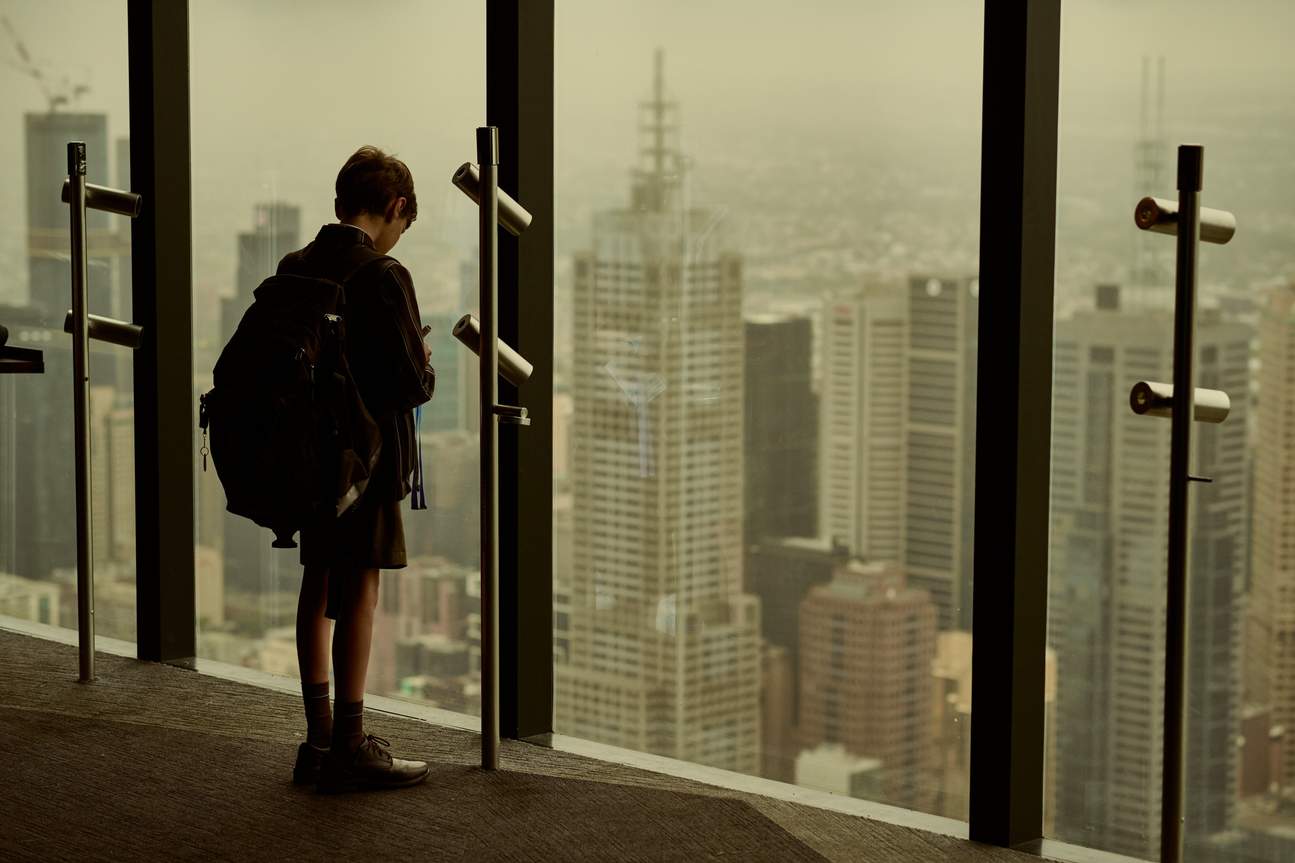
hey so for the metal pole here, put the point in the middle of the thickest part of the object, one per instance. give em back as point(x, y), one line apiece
point(1190, 165)
point(488, 159)
point(81, 408)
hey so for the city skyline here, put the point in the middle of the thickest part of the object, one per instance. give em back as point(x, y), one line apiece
point(691, 622)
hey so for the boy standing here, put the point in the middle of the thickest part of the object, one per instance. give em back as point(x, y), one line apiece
point(391, 366)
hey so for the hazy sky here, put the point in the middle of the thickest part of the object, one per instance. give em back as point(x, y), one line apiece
point(283, 91)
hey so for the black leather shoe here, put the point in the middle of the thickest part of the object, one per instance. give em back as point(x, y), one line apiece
point(306, 770)
point(369, 766)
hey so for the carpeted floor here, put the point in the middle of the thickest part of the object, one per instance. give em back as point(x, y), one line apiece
point(155, 762)
point(90, 788)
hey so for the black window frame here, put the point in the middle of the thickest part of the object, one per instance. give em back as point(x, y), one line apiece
point(1017, 247)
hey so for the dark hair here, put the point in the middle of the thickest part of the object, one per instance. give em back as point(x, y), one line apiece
point(370, 180)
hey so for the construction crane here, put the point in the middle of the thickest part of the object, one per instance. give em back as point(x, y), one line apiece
point(61, 94)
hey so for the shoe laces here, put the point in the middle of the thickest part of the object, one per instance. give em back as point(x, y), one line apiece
point(380, 744)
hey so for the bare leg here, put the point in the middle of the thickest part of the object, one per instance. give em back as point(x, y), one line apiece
point(313, 629)
point(354, 634)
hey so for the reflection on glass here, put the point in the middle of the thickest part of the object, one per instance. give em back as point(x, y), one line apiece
point(1177, 77)
point(266, 152)
point(60, 86)
point(765, 390)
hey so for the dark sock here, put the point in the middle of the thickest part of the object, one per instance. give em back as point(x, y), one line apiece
point(319, 720)
point(348, 726)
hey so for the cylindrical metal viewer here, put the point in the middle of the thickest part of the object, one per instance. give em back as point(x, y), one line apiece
point(1156, 399)
point(106, 199)
point(512, 215)
point(109, 330)
point(1161, 215)
point(512, 365)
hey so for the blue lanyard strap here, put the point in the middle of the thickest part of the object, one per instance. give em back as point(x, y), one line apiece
point(418, 497)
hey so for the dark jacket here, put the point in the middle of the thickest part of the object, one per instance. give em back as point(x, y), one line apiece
point(384, 344)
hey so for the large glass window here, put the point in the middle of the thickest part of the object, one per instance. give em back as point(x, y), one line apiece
point(766, 238)
point(1137, 80)
point(63, 78)
point(280, 99)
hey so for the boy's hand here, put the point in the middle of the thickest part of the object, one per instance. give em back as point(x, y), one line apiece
point(427, 350)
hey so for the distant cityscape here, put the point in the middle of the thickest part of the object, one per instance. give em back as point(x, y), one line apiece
point(763, 511)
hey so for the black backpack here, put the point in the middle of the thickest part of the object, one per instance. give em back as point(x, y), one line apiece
point(291, 439)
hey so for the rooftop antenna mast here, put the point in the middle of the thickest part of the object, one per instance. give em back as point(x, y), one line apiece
point(660, 164)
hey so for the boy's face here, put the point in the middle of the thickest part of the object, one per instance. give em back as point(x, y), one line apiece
point(395, 223)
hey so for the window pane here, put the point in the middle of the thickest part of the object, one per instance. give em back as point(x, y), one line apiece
point(765, 381)
point(1137, 80)
point(277, 110)
point(64, 84)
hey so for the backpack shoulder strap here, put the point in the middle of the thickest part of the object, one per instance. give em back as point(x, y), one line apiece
point(359, 259)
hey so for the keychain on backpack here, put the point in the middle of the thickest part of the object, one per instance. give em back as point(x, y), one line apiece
point(203, 420)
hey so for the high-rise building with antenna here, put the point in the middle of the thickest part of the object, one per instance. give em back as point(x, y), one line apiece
point(1151, 280)
point(657, 647)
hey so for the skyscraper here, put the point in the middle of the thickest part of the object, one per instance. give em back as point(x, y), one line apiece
point(781, 429)
point(864, 402)
point(1270, 649)
point(1107, 602)
point(447, 411)
point(43, 481)
point(868, 640)
point(47, 137)
point(659, 650)
point(898, 431)
point(940, 442)
point(781, 571)
point(276, 230)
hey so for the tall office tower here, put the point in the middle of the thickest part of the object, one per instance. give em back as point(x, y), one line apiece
point(100, 477)
point(450, 526)
point(276, 230)
point(251, 566)
point(1270, 648)
point(1153, 258)
point(112, 469)
point(660, 650)
point(940, 442)
point(118, 449)
point(44, 481)
point(864, 395)
point(447, 411)
point(781, 429)
point(781, 571)
point(47, 137)
point(867, 642)
point(1108, 580)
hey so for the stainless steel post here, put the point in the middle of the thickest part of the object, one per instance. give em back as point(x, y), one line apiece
point(76, 162)
point(488, 159)
point(1190, 170)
